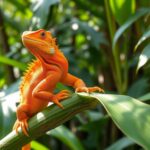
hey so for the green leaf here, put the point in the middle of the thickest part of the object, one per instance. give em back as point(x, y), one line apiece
point(38, 146)
point(2, 83)
point(41, 9)
point(67, 137)
point(128, 23)
point(12, 62)
point(142, 85)
point(121, 144)
point(122, 9)
point(60, 86)
point(145, 97)
point(130, 115)
point(144, 57)
point(143, 38)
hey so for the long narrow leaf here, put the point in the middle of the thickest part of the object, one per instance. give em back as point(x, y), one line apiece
point(36, 146)
point(145, 97)
point(121, 144)
point(128, 23)
point(144, 57)
point(143, 38)
point(12, 62)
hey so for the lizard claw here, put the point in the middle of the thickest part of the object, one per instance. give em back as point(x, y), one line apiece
point(61, 96)
point(24, 126)
point(56, 101)
point(82, 89)
point(89, 89)
point(96, 88)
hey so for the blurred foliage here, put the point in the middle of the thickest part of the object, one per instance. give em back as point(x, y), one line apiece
point(106, 43)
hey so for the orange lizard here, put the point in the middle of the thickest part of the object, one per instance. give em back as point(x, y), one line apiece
point(39, 82)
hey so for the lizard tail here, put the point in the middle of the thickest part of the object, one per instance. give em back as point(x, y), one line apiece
point(26, 147)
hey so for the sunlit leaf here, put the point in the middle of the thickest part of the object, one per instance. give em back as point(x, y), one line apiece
point(145, 36)
point(130, 115)
point(122, 9)
point(128, 23)
point(2, 82)
point(144, 57)
point(38, 146)
point(67, 137)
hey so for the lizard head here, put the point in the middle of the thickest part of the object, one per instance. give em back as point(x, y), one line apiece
point(39, 42)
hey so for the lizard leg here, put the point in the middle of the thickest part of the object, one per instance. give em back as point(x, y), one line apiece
point(22, 117)
point(60, 96)
point(44, 90)
point(79, 84)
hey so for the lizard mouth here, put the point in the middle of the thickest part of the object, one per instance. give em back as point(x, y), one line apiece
point(26, 39)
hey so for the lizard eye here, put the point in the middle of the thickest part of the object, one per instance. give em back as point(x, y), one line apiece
point(43, 34)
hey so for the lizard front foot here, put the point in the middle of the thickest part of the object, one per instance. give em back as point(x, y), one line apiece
point(89, 89)
point(60, 96)
point(24, 126)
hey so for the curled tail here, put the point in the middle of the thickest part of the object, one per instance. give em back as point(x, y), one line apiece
point(26, 147)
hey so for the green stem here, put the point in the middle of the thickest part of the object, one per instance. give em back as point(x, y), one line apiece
point(9, 74)
point(48, 119)
point(112, 29)
point(125, 63)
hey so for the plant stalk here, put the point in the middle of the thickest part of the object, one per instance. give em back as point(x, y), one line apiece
point(116, 69)
point(49, 118)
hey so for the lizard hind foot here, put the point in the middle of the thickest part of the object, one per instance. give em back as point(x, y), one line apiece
point(89, 89)
point(24, 126)
point(61, 96)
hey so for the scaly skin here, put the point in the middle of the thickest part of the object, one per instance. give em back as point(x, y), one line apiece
point(39, 82)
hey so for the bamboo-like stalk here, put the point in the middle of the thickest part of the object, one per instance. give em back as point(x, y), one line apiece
point(5, 49)
point(116, 70)
point(48, 119)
